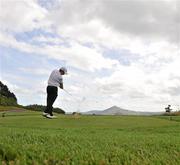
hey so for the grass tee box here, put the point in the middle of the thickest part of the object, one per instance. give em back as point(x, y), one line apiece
point(28, 138)
point(10, 108)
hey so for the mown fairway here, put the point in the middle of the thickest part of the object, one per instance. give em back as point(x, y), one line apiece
point(28, 138)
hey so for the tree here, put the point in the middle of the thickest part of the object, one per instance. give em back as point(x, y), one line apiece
point(168, 109)
point(6, 97)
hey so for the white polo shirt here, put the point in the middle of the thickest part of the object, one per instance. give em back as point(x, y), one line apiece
point(55, 78)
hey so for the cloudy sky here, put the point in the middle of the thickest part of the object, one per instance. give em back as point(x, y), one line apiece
point(118, 52)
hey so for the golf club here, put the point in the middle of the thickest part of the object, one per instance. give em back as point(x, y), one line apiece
point(68, 92)
point(79, 102)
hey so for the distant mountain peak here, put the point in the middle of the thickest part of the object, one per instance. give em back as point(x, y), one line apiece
point(114, 106)
point(115, 110)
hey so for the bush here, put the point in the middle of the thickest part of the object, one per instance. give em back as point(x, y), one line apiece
point(4, 91)
point(172, 113)
point(6, 97)
point(36, 107)
point(5, 101)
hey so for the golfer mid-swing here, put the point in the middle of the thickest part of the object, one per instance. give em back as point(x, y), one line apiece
point(55, 81)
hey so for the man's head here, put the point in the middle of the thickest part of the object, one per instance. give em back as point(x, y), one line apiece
point(63, 70)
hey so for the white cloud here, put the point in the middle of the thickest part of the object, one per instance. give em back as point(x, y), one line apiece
point(23, 15)
point(84, 30)
point(132, 85)
point(46, 40)
point(27, 91)
point(75, 55)
point(137, 18)
point(35, 71)
point(8, 40)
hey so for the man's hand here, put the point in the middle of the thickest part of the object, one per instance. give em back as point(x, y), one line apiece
point(61, 85)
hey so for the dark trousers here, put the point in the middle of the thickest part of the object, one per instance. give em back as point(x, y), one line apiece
point(52, 93)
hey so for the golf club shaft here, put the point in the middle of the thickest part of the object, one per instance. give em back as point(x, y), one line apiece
point(67, 92)
point(74, 97)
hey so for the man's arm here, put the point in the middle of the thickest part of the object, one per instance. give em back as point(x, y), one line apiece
point(61, 85)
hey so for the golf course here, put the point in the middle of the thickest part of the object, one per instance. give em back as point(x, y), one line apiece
point(27, 138)
point(89, 82)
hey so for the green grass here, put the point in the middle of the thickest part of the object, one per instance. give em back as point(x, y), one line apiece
point(28, 138)
point(7, 108)
point(171, 118)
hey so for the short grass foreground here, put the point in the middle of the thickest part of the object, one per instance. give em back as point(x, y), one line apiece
point(28, 138)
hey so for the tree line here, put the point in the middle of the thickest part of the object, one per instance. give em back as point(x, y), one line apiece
point(36, 107)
